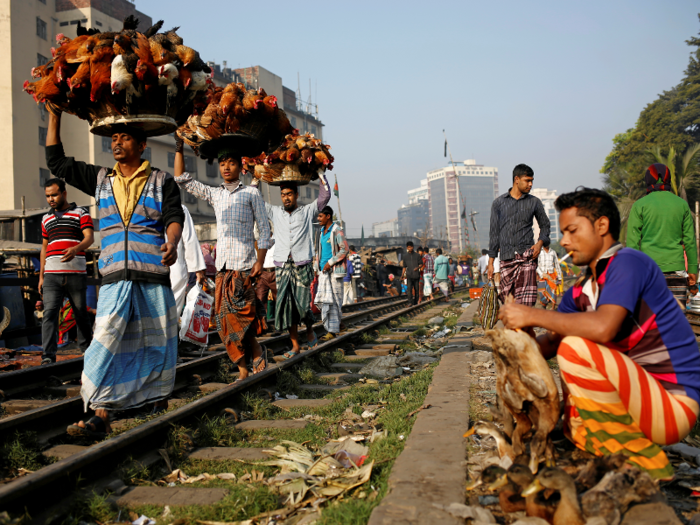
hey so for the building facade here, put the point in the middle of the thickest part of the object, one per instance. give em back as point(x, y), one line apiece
point(414, 219)
point(548, 197)
point(388, 228)
point(419, 194)
point(27, 32)
point(460, 199)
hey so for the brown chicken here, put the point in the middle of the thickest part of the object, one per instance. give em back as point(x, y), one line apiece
point(44, 89)
point(81, 79)
point(252, 99)
point(100, 71)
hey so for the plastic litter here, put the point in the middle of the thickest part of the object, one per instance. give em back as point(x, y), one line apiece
point(195, 317)
point(143, 520)
point(292, 396)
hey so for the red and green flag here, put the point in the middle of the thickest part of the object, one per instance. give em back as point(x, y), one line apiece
point(335, 189)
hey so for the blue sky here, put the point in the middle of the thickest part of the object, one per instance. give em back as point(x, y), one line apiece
point(545, 83)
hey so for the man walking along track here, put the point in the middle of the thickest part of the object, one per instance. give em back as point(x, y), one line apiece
point(239, 315)
point(411, 263)
point(67, 232)
point(293, 259)
point(131, 360)
point(511, 234)
point(661, 225)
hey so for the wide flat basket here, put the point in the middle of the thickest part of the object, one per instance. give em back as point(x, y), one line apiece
point(245, 145)
point(152, 125)
point(291, 173)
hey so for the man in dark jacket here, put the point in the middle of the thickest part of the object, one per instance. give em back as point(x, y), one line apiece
point(382, 277)
point(131, 360)
point(411, 264)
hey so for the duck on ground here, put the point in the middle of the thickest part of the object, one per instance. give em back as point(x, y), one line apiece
point(487, 428)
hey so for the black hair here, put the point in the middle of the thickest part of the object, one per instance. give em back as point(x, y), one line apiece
point(289, 185)
point(352, 247)
point(438, 251)
point(56, 182)
point(420, 249)
point(522, 170)
point(327, 210)
point(409, 243)
point(592, 204)
point(484, 251)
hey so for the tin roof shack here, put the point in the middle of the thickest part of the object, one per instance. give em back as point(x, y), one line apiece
point(22, 225)
point(370, 256)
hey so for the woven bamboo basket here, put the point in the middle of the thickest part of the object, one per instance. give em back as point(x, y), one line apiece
point(152, 125)
point(291, 173)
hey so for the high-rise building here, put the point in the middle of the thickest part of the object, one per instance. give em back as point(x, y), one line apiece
point(548, 197)
point(419, 194)
point(414, 219)
point(28, 29)
point(460, 197)
point(388, 228)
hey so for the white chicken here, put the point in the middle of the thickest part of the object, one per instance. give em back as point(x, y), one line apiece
point(122, 80)
point(166, 76)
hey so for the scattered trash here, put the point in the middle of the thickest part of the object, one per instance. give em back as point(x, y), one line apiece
point(143, 520)
point(401, 437)
point(424, 407)
point(384, 366)
point(685, 451)
point(441, 333)
point(177, 476)
point(488, 500)
point(292, 396)
point(415, 360)
point(368, 415)
point(402, 396)
point(458, 510)
point(465, 305)
point(437, 320)
point(166, 513)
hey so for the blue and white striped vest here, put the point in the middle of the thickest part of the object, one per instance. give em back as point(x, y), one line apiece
point(132, 252)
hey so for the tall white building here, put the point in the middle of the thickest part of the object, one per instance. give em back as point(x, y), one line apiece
point(548, 197)
point(388, 228)
point(467, 188)
point(418, 194)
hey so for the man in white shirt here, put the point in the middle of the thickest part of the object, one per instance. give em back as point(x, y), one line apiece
point(267, 282)
point(549, 274)
point(189, 260)
point(483, 263)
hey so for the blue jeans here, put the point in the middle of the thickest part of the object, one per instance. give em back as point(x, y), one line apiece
point(56, 287)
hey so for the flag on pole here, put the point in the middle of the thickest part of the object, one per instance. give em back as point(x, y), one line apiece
point(445, 148)
point(362, 238)
point(335, 189)
point(464, 214)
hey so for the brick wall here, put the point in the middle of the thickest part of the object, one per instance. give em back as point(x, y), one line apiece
point(118, 9)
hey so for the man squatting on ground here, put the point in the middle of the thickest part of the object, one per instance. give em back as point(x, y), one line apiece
point(67, 232)
point(661, 225)
point(511, 234)
point(629, 362)
point(331, 251)
point(131, 360)
point(240, 317)
point(293, 256)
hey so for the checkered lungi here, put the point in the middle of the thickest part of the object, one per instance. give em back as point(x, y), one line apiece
point(678, 284)
point(519, 279)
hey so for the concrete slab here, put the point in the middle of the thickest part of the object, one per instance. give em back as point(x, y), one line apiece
point(17, 406)
point(63, 390)
point(176, 496)
point(431, 468)
point(228, 453)
point(337, 377)
point(272, 424)
point(308, 403)
point(323, 388)
point(466, 318)
point(208, 388)
point(366, 352)
point(63, 451)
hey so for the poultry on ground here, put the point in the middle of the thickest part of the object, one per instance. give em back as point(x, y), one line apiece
point(568, 511)
point(487, 428)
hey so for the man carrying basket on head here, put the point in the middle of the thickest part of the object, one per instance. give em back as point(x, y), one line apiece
point(131, 360)
point(239, 315)
point(294, 253)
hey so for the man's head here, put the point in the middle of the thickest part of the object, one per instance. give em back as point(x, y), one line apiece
point(590, 223)
point(56, 195)
point(420, 250)
point(128, 144)
point(289, 191)
point(229, 165)
point(523, 177)
point(438, 251)
point(450, 260)
point(658, 178)
point(409, 247)
point(352, 248)
point(325, 216)
point(484, 252)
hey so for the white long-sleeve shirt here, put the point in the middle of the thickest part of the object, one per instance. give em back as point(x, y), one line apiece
point(548, 262)
point(189, 260)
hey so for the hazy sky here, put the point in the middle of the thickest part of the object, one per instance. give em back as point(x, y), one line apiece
point(545, 83)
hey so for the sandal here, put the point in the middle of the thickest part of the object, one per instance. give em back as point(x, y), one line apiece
point(99, 429)
point(312, 344)
point(259, 360)
point(289, 354)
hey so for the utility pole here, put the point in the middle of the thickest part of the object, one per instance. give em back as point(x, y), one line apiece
point(478, 243)
point(337, 197)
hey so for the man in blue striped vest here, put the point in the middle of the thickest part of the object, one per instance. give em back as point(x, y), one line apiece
point(131, 360)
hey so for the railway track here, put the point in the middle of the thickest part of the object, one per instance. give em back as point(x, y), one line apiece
point(55, 484)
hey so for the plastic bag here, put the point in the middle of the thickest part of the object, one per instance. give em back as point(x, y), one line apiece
point(488, 306)
point(195, 317)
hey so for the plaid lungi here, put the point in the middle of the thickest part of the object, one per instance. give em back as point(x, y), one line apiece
point(519, 278)
point(444, 286)
point(293, 304)
point(131, 360)
point(614, 405)
point(237, 311)
point(678, 284)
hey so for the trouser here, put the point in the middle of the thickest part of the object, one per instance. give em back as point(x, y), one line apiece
point(349, 291)
point(380, 287)
point(678, 284)
point(613, 405)
point(56, 288)
point(265, 284)
point(413, 290)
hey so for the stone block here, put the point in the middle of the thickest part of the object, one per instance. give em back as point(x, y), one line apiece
point(175, 496)
point(208, 388)
point(63, 390)
point(323, 388)
point(367, 352)
point(17, 406)
point(63, 451)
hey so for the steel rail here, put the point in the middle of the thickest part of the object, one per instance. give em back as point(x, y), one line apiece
point(57, 481)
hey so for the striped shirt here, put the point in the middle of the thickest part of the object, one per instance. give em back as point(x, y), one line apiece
point(64, 230)
point(511, 225)
point(237, 212)
point(428, 264)
point(356, 261)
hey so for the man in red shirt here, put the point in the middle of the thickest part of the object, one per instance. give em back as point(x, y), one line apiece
point(67, 232)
